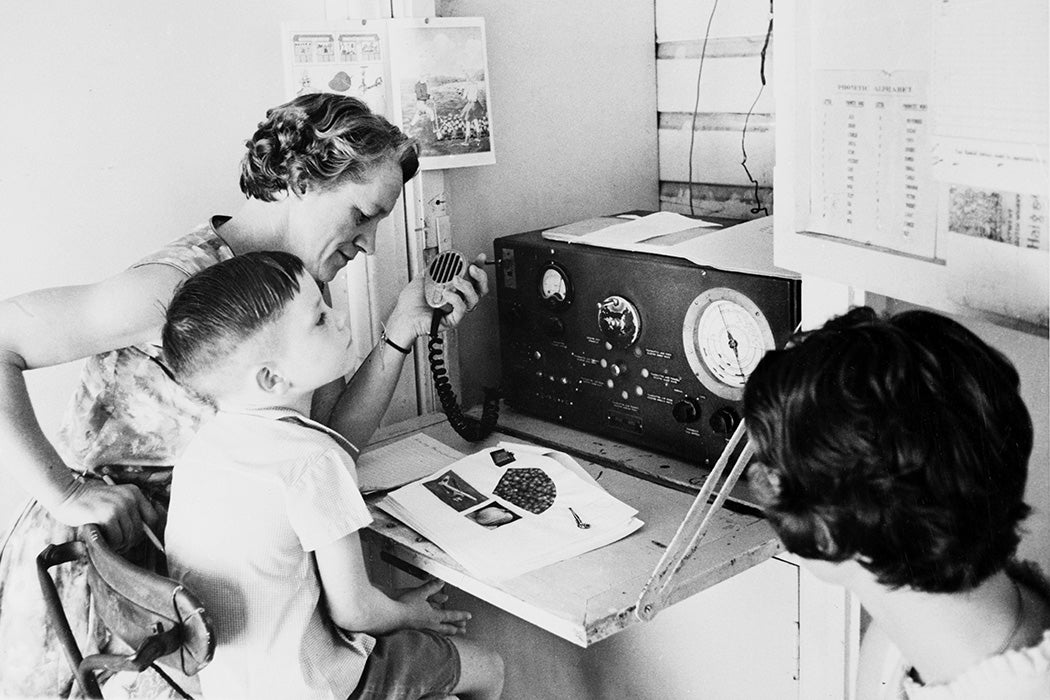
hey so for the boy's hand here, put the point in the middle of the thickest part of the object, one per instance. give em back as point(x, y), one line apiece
point(425, 611)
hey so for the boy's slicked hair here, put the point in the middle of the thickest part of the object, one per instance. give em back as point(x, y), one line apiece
point(220, 307)
point(907, 437)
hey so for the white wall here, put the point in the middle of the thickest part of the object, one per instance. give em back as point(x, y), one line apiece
point(122, 126)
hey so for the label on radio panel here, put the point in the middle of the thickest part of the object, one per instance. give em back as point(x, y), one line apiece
point(584, 360)
point(592, 382)
point(662, 354)
point(659, 399)
point(666, 379)
point(625, 407)
point(631, 423)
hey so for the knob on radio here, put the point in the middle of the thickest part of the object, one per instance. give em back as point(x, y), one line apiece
point(553, 326)
point(724, 421)
point(686, 410)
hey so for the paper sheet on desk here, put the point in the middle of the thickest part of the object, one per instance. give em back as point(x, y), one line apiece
point(402, 462)
point(501, 519)
point(745, 248)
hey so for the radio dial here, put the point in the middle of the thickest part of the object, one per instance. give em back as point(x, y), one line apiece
point(686, 410)
point(553, 326)
point(618, 320)
point(724, 421)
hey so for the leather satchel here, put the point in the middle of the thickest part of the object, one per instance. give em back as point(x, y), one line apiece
point(157, 617)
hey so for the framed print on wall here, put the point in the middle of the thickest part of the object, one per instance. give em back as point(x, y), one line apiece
point(440, 89)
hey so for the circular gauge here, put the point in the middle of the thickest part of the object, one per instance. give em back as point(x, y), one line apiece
point(619, 320)
point(725, 335)
point(555, 287)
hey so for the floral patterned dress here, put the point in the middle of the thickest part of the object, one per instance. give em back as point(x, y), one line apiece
point(127, 419)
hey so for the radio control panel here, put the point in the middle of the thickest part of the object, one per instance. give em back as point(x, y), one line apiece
point(645, 349)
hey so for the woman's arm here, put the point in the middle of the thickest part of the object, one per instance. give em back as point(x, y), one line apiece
point(52, 326)
point(358, 606)
point(362, 403)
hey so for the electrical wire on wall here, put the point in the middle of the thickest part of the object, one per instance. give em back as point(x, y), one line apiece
point(743, 134)
point(759, 207)
point(696, 105)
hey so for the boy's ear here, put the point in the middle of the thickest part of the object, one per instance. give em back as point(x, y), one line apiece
point(270, 381)
point(825, 541)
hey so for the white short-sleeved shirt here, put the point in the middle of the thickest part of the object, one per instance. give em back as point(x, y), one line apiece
point(252, 496)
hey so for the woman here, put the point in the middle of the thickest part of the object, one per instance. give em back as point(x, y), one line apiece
point(319, 175)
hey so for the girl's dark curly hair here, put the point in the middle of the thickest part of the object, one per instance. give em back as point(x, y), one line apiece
point(906, 437)
point(321, 140)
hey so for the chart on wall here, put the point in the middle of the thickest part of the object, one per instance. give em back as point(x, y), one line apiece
point(441, 89)
point(872, 178)
point(991, 142)
point(348, 58)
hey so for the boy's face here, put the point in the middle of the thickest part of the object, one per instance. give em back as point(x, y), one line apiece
point(311, 340)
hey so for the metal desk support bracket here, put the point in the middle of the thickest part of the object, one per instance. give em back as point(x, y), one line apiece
point(657, 589)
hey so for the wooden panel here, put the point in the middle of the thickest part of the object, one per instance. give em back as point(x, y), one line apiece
point(727, 201)
point(734, 47)
point(717, 151)
point(687, 19)
point(726, 85)
point(593, 596)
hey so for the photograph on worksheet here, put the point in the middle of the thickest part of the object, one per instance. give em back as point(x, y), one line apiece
point(441, 89)
point(347, 58)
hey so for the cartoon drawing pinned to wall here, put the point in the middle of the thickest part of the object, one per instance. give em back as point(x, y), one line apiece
point(441, 89)
point(346, 62)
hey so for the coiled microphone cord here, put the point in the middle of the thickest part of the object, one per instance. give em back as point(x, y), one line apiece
point(469, 428)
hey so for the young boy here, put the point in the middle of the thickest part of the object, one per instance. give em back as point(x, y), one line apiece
point(265, 509)
point(892, 456)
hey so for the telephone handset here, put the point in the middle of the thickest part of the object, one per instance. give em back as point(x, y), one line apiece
point(438, 278)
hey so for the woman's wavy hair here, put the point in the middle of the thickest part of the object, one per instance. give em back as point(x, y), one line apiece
point(902, 442)
point(321, 140)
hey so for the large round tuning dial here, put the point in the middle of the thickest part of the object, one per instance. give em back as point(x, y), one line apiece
point(725, 335)
point(618, 320)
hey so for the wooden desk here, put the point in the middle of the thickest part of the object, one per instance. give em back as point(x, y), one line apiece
point(593, 596)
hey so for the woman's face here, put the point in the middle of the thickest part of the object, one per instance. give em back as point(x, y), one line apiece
point(328, 228)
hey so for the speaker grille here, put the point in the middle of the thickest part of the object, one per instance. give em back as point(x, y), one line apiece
point(446, 266)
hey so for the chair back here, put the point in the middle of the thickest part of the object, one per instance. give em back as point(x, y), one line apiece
point(154, 615)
